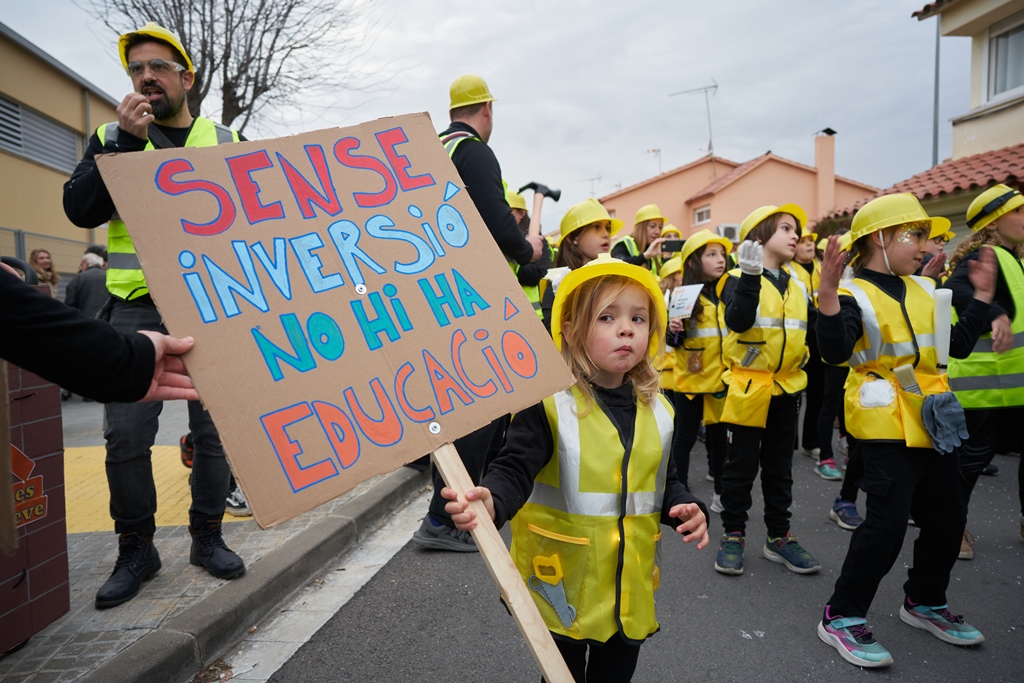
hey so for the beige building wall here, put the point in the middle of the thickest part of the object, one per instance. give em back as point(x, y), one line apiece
point(32, 191)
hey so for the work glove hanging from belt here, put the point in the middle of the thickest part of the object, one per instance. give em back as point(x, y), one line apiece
point(945, 421)
point(748, 256)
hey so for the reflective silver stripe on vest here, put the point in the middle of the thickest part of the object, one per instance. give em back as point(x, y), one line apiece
point(907, 348)
point(984, 345)
point(117, 260)
point(224, 135)
point(568, 498)
point(110, 133)
point(987, 382)
point(703, 332)
point(779, 323)
point(869, 321)
point(927, 284)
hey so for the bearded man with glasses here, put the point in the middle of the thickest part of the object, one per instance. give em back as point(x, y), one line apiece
point(154, 115)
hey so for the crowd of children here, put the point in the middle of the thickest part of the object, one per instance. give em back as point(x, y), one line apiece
point(586, 477)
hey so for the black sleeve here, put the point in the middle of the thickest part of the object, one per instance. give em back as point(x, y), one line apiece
point(87, 202)
point(838, 334)
point(547, 300)
point(676, 494)
point(741, 297)
point(531, 274)
point(621, 252)
point(973, 322)
point(528, 448)
point(86, 356)
point(479, 169)
point(963, 291)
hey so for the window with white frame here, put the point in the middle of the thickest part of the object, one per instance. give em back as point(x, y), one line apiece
point(36, 137)
point(702, 215)
point(1006, 57)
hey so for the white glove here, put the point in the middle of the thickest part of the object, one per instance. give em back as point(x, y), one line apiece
point(749, 257)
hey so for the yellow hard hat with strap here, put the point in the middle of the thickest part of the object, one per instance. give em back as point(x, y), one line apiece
point(889, 211)
point(991, 204)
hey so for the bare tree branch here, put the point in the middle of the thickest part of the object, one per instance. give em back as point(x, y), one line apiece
point(257, 53)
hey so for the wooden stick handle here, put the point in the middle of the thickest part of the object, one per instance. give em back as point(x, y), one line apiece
point(538, 204)
point(499, 563)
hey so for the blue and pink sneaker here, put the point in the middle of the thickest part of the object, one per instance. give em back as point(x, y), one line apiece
point(853, 641)
point(941, 623)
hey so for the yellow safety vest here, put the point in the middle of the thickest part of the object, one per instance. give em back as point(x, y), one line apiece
point(634, 250)
point(995, 380)
point(780, 332)
point(811, 281)
point(533, 292)
point(895, 333)
point(124, 272)
point(590, 530)
point(699, 367)
point(665, 365)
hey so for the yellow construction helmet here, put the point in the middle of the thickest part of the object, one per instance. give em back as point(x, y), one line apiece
point(671, 230)
point(153, 30)
point(947, 236)
point(822, 243)
point(805, 232)
point(651, 212)
point(514, 199)
point(891, 210)
point(760, 213)
point(585, 213)
point(670, 267)
point(699, 239)
point(468, 90)
point(991, 204)
point(606, 264)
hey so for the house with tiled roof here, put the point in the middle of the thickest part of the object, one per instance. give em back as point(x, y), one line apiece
point(717, 193)
point(988, 139)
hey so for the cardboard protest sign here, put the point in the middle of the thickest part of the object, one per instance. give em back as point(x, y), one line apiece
point(351, 310)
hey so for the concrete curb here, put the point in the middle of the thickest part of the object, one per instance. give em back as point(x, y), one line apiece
point(185, 644)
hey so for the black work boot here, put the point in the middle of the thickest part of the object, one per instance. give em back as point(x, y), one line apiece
point(137, 560)
point(209, 550)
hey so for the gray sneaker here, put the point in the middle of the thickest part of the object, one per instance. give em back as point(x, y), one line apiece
point(443, 537)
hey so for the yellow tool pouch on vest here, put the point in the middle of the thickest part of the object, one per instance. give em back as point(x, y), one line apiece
point(911, 406)
point(538, 546)
point(750, 393)
point(713, 409)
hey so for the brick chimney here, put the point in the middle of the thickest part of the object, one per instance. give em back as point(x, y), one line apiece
point(825, 163)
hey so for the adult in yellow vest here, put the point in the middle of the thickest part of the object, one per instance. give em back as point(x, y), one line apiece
point(154, 114)
point(988, 382)
point(471, 110)
point(765, 310)
point(883, 321)
point(643, 247)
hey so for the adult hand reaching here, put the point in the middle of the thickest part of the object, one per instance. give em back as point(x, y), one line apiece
point(170, 380)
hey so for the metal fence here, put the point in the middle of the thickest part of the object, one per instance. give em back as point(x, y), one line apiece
point(66, 253)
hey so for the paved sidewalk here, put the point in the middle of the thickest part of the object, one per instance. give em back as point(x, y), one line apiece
point(183, 618)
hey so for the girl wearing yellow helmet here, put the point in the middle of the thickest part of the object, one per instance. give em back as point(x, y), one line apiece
point(697, 347)
point(985, 382)
point(882, 322)
point(593, 567)
point(643, 247)
point(765, 311)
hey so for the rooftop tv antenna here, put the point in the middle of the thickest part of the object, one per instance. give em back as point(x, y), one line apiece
point(656, 152)
point(708, 90)
point(592, 181)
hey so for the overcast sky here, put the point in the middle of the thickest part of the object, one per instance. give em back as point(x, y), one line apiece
point(583, 86)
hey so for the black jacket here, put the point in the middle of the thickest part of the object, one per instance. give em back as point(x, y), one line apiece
point(963, 291)
point(86, 356)
point(479, 170)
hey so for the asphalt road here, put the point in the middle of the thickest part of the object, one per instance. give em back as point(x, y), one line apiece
point(430, 616)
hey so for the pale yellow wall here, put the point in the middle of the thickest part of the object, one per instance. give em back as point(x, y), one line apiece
point(969, 17)
point(32, 192)
point(992, 131)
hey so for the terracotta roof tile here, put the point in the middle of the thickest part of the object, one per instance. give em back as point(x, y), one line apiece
point(931, 9)
point(957, 175)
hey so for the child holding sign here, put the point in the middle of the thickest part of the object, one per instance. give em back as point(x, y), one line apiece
point(764, 352)
point(586, 476)
point(697, 344)
point(900, 409)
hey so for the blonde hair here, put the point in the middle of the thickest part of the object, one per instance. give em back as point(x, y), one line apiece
point(581, 309)
point(987, 235)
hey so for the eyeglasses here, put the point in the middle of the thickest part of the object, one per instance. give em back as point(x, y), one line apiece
point(157, 67)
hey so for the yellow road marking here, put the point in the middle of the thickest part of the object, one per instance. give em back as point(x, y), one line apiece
point(88, 498)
